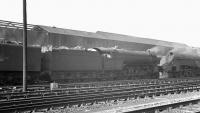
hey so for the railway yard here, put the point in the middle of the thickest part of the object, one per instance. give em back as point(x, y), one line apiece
point(71, 71)
point(151, 95)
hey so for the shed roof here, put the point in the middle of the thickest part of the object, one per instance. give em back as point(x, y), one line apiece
point(14, 25)
point(140, 40)
point(56, 30)
point(110, 36)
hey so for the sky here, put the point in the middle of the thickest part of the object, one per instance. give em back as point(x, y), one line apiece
point(169, 20)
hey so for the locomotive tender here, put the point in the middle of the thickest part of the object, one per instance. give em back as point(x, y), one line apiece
point(11, 64)
point(99, 65)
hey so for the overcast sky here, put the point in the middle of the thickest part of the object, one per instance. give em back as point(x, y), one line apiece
point(170, 20)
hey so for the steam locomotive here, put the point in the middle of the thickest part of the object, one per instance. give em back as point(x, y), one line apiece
point(95, 64)
point(75, 65)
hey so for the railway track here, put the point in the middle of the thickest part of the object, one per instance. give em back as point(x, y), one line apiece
point(94, 96)
point(163, 103)
point(102, 83)
point(126, 82)
point(9, 96)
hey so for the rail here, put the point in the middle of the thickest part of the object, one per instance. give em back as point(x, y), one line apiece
point(92, 97)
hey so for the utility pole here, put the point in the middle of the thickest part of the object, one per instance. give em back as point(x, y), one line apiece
point(24, 46)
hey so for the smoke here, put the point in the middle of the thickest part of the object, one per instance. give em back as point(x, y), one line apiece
point(187, 53)
point(166, 60)
point(181, 53)
point(159, 51)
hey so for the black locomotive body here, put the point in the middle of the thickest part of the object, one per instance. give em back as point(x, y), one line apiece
point(95, 64)
point(11, 64)
point(73, 65)
point(101, 64)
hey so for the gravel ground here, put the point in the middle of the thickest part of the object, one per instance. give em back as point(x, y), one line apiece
point(120, 105)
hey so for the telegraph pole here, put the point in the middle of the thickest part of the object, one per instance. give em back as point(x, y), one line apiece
point(24, 46)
